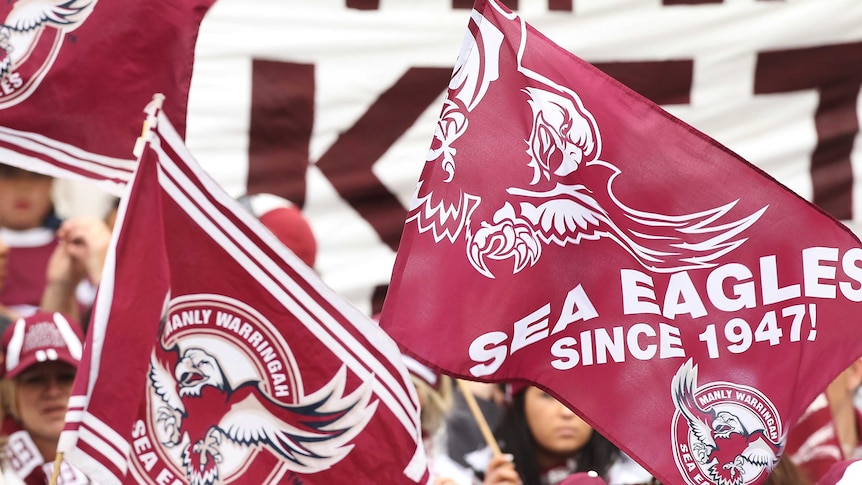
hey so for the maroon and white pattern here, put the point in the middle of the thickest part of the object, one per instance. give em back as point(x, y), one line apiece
point(768, 79)
point(568, 232)
point(74, 75)
point(240, 366)
point(545, 208)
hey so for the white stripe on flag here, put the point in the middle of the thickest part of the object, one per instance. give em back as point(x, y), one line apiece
point(110, 180)
point(362, 323)
point(279, 286)
point(109, 167)
point(105, 448)
point(402, 405)
point(102, 473)
point(290, 301)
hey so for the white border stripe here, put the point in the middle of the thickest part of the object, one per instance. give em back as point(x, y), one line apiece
point(108, 434)
point(104, 448)
point(363, 325)
point(406, 394)
point(289, 300)
point(101, 163)
point(102, 474)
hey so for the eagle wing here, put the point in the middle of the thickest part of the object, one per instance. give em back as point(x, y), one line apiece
point(568, 214)
point(687, 241)
point(27, 15)
point(761, 451)
point(312, 435)
point(699, 420)
point(170, 416)
point(163, 383)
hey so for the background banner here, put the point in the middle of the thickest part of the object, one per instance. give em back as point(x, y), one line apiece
point(333, 103)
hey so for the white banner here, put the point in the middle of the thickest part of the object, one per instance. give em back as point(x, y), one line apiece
point(333, 103)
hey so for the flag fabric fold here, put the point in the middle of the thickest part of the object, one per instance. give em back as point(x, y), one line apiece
point(216, 356)
point(568, 232)
point(73, 76)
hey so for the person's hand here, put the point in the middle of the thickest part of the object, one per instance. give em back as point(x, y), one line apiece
point(62, 276)
point(86, 240)
point(501, 471)
point(63, 270)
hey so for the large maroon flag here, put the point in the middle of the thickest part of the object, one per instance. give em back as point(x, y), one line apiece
point(216, 356)
point(74, 74)
point(568, 232)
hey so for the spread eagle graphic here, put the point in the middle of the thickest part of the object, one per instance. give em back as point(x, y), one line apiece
point(723, 445)
point(22, 26)
point(570, 198)
point(199, 404)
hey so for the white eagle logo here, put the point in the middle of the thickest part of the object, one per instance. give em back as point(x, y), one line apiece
point(563, 146)
point(309, 436)
point(721, 443)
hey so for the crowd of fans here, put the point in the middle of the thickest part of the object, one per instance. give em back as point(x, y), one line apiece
point(50, 270)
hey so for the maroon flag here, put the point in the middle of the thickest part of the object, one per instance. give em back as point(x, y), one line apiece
point(216, 356)
point(74, 74)
point(568, 232)
point(813, 442)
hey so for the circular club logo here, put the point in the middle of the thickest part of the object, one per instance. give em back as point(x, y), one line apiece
point(225, 402)
point(723, 433)
point(31, 34)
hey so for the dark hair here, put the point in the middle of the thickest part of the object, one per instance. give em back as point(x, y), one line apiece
point(513, 432)
point(787, 473)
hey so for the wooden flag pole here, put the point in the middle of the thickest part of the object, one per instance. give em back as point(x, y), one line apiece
point(479, 417)
point(55, 474)
point(150, 109)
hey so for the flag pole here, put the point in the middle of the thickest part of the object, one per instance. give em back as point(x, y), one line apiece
point(55, 474)
point(151, 109)
point(479, 417)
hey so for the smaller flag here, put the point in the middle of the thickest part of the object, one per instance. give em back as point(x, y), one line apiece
point(74, 73)
point(216, 356)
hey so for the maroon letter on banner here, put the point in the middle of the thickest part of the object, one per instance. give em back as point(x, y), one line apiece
point(831, 71)
point(363, 4)
point(689, 2)
point(282, 116)
point(348, 162)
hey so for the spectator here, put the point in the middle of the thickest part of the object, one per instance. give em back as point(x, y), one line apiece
point(830, 429)
point(42, 353)
point(544, 442)
point(6, 315)
point(27, 226)
point(75, 267)
point(435, 401)
point(463, 435)
point(787, 473)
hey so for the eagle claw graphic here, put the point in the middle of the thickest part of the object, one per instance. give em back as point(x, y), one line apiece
point(700, 452)
point(202, 410)
point(209, 446)
point(170, 419)
point(509, 237)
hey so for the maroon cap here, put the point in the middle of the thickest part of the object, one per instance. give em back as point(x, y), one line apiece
point(41, 337)
point(284, 219)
